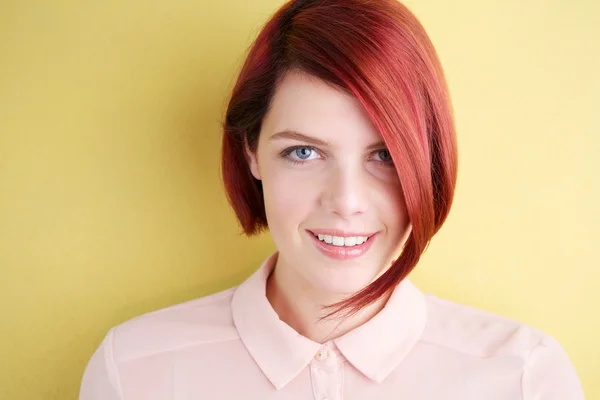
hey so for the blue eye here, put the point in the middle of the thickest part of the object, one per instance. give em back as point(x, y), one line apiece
point(384, 156)
point(303, 153)
point(299, 154)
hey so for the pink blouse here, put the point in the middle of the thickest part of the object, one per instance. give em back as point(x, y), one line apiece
point(232, 345)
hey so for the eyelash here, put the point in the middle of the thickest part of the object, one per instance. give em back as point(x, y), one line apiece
point(287, 152)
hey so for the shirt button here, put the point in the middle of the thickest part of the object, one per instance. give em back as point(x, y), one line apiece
point(321, 356)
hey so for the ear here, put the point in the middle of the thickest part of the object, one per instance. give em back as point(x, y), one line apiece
point(252, 160)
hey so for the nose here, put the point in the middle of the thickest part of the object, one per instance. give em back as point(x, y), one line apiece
point(345, 191)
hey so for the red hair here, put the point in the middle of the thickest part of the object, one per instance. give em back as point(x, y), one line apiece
point(377, 51)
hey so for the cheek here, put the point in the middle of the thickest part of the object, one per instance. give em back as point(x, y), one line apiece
point(387, 192)
point(393, 209)
point(288, 199)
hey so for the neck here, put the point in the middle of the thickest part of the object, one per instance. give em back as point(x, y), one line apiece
point(301, 306)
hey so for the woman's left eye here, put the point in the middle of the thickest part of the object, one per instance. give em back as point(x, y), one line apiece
point(384, 156)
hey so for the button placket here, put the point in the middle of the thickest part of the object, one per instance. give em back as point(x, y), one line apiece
point(326, 374)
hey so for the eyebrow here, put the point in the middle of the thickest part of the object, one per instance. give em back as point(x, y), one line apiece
point(290, 134)
point(295, 135)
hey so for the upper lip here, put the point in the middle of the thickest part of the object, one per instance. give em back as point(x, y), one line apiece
point(338, 232)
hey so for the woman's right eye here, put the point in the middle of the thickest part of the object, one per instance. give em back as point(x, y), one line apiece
point(300, 154)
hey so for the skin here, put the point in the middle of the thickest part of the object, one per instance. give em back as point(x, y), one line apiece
point(347, 182)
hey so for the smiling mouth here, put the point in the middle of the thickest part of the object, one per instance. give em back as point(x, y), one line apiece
point(343, 246)
point(341, 241)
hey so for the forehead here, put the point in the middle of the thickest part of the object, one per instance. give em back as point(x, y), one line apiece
point(307, 104)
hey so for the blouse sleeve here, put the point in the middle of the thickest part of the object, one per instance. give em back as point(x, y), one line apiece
point(549, 374)
point(100, 379)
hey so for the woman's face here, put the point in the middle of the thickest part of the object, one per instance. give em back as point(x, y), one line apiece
point(325, 171)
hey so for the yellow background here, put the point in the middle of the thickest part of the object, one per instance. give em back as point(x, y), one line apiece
point(111, 204)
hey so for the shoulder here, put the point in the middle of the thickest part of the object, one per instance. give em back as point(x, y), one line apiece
point(193, 323)
point(545, 368)
point(476, 332)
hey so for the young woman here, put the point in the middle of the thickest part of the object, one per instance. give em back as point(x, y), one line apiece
point(339, 139)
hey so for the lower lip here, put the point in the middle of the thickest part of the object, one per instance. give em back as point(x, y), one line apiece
point(342, 252)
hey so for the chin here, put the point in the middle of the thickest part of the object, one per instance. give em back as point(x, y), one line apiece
point(342, 281)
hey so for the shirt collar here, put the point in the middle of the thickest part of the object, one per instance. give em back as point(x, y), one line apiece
point(374, 348)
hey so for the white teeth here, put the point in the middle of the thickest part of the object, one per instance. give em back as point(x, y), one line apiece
point(342, 241)
point(350, 241)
